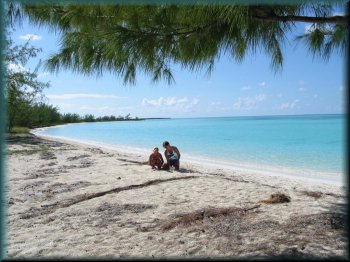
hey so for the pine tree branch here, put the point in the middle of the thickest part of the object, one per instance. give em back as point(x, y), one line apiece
point(176, 32)
point(307, 19)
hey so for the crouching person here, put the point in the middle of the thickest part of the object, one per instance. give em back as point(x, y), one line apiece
point(155, 159)
point(172, 155)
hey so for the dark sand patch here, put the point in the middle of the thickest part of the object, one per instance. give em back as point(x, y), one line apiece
point(237, 232)
point(72, 158)
point(313, 194)
point(206, 213)
point(103, 216)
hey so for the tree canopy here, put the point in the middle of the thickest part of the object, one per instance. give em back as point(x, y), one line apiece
point(126, 39)
point(23, 89)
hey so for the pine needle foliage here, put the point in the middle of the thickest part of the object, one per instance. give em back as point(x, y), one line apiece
point(128, 39)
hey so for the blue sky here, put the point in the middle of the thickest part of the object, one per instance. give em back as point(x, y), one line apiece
point(304, 85)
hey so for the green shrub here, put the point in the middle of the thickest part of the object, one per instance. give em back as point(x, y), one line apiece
point(19, 130)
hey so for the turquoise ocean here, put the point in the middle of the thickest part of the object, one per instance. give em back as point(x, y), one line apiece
point(312, 146)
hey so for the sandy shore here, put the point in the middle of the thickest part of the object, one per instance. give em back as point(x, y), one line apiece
point(67, 199)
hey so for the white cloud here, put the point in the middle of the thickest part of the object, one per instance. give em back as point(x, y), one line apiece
point(244, 88)
point(280, 95)
point(16, 67)
point(74, 96)
point(19, 68)
point(195, 102)
point(86, 108)
point(148, 102)
point(260, 97)
point(32, 37)
point(312, 27)
point(294, 103)
point(263, 84)
point(182, 100)
point(290, 105)
point(309, 28)
point(247, 103)
point(171, 103)
point(167, 101)
point(301, 89)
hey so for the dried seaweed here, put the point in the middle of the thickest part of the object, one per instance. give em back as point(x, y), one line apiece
point(276, 198)
point(206, 213)
point(314, 194)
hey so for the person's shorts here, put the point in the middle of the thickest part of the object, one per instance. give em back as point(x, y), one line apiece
point(173, 162)
point(156, 162)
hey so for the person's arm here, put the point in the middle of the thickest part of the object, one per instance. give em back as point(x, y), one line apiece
point(166, 156)
point(177, 151)
point(161, 158)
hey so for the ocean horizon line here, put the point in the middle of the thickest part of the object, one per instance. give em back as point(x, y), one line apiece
point(196, 117)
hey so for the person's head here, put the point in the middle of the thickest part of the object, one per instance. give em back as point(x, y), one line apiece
point(166, 144)
point(155, 150)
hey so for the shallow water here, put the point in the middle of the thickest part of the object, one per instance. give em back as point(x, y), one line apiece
point(311, 145)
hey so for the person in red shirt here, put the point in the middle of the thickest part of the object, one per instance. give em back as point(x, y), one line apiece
point(156, 159)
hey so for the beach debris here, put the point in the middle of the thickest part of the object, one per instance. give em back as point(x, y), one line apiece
point(334, 195)
point(321, 222)
point(117, 209)
point(30, 139)
point(133, 161)
point(85, 163)
point(64, 187)
point(12, 201)
point(46, 172)
point(49, 164)
point(314, 194)
point(276, 198)
point(77, 157)
point(96, 150)
point(206, 213)
point(47, 155)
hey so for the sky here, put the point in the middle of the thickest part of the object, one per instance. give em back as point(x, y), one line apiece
point(250, 88)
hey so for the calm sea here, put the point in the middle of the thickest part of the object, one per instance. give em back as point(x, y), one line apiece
point(307, 145)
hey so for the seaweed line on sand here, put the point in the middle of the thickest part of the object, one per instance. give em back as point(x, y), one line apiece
point(50, 208)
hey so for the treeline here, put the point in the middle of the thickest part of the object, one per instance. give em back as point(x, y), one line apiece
point(41, 115)
point(75, 118)
point(26, 107)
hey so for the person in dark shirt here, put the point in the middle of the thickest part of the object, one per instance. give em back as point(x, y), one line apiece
point(172, 155)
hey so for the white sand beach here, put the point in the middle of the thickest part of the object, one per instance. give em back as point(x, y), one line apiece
point(68, 199)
